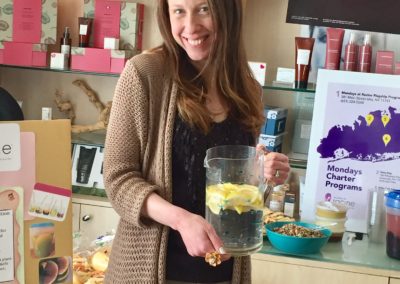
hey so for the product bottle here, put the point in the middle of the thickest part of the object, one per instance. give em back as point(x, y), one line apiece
point(65, 42)
point(350, 55)
point(365, 55)
point(277, 198)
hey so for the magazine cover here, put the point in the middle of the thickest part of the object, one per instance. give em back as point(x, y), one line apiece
point(355, 142)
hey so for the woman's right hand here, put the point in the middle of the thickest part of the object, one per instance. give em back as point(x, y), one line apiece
point(199, 236)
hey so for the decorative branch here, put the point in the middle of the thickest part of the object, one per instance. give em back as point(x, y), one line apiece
point(66, 107)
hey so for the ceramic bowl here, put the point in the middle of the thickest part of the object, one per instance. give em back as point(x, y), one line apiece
point(297, 245)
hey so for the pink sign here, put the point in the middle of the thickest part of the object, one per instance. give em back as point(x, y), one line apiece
point(107, 17)
point(26, 176)
point(27, 20)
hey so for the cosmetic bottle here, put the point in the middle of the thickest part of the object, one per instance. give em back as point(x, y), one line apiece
point(85, 30)
point(350, 55)
point(365, 55)
point(65, 43)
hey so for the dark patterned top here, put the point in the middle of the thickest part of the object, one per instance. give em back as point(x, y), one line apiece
point(188, 176)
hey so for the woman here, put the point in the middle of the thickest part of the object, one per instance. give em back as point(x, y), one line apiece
point(170, 105)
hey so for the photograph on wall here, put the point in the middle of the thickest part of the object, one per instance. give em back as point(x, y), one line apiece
point(355, 153)
point(348, 14)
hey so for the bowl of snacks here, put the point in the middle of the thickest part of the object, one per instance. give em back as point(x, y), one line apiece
point(297, 237)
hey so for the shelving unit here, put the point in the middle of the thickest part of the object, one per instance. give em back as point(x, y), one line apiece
point(60, 70)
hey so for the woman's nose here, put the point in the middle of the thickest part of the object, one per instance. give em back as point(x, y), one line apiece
point(191, 23)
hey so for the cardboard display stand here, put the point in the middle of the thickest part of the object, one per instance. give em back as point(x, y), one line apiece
point(35, 202)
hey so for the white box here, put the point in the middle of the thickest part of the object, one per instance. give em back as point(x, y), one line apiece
point(259, 70)
point(285, 75)
point(58, 60)
point(111, 43)
point(47, 113)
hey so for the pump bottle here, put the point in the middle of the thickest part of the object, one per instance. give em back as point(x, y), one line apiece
point(65, 42)
point(365, 55)
point(350, 55)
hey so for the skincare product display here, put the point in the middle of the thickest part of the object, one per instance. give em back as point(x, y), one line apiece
point(334, 41)
point(350, 55)
point(365, 55)
point(85, 29)
point(304, 47)
point(65, 43)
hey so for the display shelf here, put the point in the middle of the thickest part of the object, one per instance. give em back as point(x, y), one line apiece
point(95, 138)
point(361, 253)
point(288, 88)
point(298, 161)
point(60, 70)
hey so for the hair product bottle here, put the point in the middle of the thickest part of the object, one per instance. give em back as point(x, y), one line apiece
point(350, 55)
point(365, 55)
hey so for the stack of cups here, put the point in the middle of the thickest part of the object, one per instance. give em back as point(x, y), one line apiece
point(332, 216)
point(392, 202)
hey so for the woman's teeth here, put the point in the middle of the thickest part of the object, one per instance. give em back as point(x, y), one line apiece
point(195, 41)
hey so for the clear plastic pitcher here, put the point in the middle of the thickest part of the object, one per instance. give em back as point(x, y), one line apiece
point(234, 196)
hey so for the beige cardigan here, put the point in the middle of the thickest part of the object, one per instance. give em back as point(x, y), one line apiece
point(137, 162)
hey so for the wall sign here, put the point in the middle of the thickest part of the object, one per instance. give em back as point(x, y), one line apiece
point(10, 148)
point(367, 15)
point(357, 152)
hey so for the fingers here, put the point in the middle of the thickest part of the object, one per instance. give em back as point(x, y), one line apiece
point(276, 167)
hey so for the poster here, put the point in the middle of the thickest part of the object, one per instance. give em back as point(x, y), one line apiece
point(349, 14)
point(355, 142)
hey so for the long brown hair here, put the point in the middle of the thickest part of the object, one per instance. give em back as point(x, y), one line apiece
point(227, 64)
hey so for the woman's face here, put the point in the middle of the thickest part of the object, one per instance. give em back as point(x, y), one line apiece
point(192, 28)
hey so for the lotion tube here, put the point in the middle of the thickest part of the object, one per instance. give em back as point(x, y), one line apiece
point(304, 47)
point(334, 41)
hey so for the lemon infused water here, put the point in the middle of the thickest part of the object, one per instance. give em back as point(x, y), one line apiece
point(234, 196)
point(235, 211)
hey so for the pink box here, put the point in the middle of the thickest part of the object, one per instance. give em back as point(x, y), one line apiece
point(396, 67)
point(119, 58)
point(1, 56)
point(99, 60)
point(384, 62)
point(25, 54)
point(91, 59)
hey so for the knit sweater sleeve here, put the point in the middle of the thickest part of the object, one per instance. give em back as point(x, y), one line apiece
point(125, 144)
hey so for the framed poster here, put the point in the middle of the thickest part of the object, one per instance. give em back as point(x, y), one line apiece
point(349, 14)
point(355, 142)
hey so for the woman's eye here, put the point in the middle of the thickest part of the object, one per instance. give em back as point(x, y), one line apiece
point(178, 11)
point(204, 9)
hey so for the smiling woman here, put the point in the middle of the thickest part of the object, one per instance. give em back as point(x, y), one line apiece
point(9, 107)
point(171, 104)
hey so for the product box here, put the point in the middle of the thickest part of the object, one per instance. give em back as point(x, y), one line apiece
point(275, 120)
point(58, 60)
point(272, 142)
point(301, 136)
point(24, 54)
point(384, 62)
point(125, 24)
point(29, 21)
point(99, 60)
point(87, 166)
point(259, 70)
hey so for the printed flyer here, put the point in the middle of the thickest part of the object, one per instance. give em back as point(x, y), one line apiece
point(355, 142)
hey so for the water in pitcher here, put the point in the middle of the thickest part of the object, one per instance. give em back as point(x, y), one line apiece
point(235, 211)
point(234, 197)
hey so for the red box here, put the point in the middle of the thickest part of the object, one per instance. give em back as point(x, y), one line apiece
point(99, 60)
point(24, 54)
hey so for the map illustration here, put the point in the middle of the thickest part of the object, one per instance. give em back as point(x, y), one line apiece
point(375, 138)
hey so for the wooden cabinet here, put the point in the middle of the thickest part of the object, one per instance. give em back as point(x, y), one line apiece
point(274, 269)
point(93, 216)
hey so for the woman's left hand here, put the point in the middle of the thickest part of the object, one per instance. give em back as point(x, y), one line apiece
point(276, 166)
